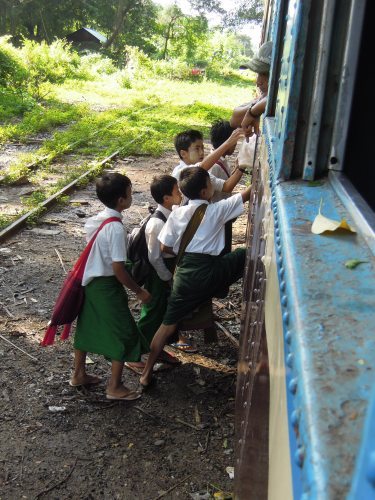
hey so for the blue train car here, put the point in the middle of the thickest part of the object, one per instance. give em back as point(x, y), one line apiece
point(306, 429)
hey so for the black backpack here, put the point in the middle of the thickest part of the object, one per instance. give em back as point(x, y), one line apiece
point(137, 249)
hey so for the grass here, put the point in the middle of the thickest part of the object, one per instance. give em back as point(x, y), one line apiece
point(101, 116)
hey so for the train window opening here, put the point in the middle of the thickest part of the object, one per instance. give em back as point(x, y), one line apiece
point(277, 37)
point(357, 165)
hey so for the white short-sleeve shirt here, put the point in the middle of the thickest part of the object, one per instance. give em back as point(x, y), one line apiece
point(217, 183)
point(109, 245)
point(210, 235)
point(155, 255)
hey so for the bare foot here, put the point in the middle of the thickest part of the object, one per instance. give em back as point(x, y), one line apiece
point(84, 379)
point(146, 381)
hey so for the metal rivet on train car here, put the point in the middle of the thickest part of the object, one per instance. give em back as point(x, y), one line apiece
point(293, 386)
point(278, 246)
point(281, 272)
point(288, 337)
point(289, 360)
point(277, 232)
point(278, 240)
point(282, 109)
point(286, 317)
point(370, 472)
point(284, 300)
point(280, 259)
point(294, 418)
point(299, 456)
point(282, 286)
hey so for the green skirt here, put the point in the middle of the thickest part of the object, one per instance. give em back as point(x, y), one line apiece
point(200, 277)
point(105, 324)
point(152, 313)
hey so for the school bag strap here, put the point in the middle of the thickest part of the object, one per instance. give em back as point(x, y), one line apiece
point(70, 299)
point(190, 230)
point(223, 167)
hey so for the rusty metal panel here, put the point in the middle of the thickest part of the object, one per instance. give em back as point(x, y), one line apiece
point(251, 447)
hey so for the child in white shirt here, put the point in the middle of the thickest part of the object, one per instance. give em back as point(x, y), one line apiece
point(105, 324)
point(203, 272)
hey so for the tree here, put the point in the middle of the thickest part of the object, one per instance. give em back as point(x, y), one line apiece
point(244, 12)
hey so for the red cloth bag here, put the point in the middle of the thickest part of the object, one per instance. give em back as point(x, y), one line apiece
point(70, 299)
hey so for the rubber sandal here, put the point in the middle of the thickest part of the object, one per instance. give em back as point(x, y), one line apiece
point(131, 396)
point(94, 382)
point(187, 348)
point(166, 357)
point(136, 369)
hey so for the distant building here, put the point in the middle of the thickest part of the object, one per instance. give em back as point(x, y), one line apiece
point(86, 38)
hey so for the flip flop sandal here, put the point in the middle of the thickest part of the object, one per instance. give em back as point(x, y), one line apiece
point(166, 357)
point(131, 396)
point(136, 369)
point(187, 348)
point(94, 382)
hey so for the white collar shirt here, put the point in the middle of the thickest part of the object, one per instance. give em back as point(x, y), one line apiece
point(217, 183)
point(109, 245)
point(210, 235)
point(155, 255)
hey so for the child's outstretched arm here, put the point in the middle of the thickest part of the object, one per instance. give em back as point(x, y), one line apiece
point(233, 180)
point(212, 158)
point(125, 279)
point(166, 249)
point(246, 194)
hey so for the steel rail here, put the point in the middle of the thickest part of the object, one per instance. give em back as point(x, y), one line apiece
point(38, 161)
point(52, 200)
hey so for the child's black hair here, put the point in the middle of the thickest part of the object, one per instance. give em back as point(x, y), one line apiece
point(185, 139)
point(192, 181)
point(162, 185)
point(111, 187)
point(220, 132)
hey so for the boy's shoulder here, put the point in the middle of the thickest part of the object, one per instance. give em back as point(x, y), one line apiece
point(180, 167)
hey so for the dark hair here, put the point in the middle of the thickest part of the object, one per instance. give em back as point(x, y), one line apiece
point(185, 139)
point(220, 132)
point(162, 185)
point(192, 181)
point(111, 187)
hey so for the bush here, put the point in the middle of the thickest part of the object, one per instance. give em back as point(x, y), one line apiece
point(13, 73)
point(173, 69)
point(49, 63)
point(94, 64)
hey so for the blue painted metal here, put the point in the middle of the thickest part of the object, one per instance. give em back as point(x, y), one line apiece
point(364, 480)
point(329, 346)
point(289, 86)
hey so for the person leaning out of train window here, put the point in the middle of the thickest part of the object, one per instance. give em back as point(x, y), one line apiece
point(248, 115)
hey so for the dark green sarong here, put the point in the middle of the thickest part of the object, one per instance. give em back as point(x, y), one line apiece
point(152, 313)
point(200, 277)
point(105, 324)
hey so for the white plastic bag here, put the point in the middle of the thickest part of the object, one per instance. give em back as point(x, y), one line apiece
point(245, 156)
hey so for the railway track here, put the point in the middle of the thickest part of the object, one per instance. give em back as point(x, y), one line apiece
point(15, 213)
point(52, 200)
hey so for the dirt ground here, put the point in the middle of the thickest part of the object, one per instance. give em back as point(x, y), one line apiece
point(59, 442)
